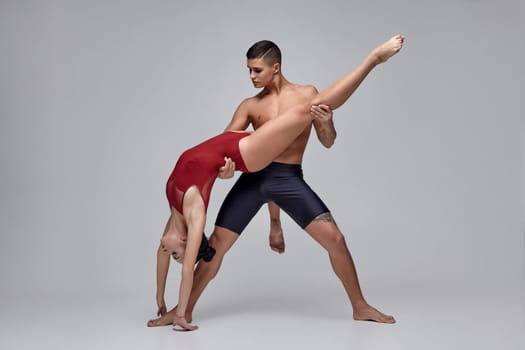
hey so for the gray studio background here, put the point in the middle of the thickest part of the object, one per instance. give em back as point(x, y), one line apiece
point(98, 99)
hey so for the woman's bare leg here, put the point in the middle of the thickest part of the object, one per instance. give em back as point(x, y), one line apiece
point(163, 264)
point(270, 140)
point(340, 91)
point(260, 148)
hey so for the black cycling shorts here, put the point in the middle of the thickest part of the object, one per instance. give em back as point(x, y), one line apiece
point(280, 183)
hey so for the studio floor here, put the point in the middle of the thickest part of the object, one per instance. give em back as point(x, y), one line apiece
point(260, 323)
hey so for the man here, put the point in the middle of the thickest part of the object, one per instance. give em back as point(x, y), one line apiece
point(282, 181)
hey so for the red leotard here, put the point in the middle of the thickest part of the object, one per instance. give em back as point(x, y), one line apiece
point(200, 165)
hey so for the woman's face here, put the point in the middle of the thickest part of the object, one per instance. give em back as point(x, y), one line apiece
point(172, 243)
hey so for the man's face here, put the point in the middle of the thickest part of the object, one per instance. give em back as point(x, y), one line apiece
point(261, 71)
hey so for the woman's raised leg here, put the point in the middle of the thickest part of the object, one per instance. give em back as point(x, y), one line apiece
point(266, 143)
point(340, 91)
point(260, 148)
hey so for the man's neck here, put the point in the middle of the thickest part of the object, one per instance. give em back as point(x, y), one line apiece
point(276, 85)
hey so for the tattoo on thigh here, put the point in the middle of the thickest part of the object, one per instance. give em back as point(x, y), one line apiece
point(324, 217)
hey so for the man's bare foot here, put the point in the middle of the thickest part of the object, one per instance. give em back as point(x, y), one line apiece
point(368, 313)
point(388, 49)
point(277, 240)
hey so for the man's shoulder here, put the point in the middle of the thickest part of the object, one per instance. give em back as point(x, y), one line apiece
point(250, 103)
point(255, 98)
point(308, 90)
point(249, 100)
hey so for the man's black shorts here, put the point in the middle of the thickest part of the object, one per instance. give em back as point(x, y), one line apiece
point(280, 183)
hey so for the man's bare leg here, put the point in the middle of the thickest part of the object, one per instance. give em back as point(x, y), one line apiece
point(222, 240)
point(277, 238)
point(276, 231)
point(325, 231)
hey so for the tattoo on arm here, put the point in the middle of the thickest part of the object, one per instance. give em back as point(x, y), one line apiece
point(324, 217)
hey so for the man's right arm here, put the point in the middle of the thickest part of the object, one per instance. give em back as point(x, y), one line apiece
point(240, 120)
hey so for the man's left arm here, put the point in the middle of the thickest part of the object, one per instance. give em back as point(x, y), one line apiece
point(227, 170)
point(324, 124)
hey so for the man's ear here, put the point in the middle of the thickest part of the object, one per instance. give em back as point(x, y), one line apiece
point(276, 68)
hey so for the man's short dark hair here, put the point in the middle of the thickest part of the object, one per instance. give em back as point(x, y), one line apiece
point(265, 49)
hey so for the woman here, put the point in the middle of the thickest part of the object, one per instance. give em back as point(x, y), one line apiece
point(189, 186)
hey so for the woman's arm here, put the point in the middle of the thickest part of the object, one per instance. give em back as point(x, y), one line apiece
point(195, 215)
point(163, 265)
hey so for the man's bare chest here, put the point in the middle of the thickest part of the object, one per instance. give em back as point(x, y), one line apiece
point(266, 110)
